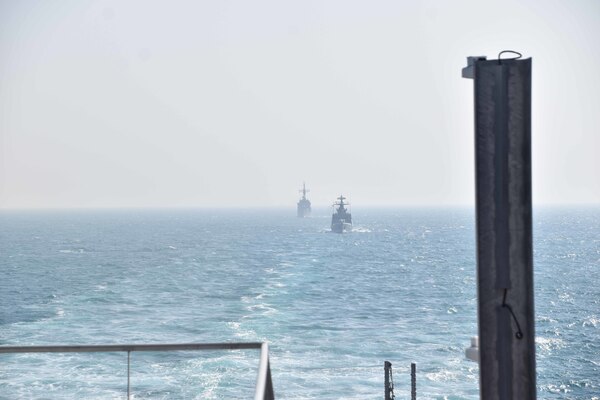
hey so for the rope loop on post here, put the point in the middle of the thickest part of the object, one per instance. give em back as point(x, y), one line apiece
point(500, 59)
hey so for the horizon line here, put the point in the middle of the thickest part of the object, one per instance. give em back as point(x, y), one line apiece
point(208, 207)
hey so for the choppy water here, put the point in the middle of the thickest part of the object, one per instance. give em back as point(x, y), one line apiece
point(401, 287)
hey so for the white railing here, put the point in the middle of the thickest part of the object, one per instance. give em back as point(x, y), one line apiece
point(264, 384)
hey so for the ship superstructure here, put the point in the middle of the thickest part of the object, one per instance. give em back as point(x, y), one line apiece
point(341, 220)
point(304, 204)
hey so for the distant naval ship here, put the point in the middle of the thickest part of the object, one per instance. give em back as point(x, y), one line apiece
point(341, 220)
point(303, 203)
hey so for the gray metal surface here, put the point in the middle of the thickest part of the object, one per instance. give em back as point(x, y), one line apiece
point(128, 347)
point(388, 393)
point(504, 227)
point(264, 383)
point(413, 381)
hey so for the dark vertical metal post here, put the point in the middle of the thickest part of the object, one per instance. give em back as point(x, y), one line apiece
point(504, 227)
point(387, 367)
point(413, 381)
point(128, 374)
point(269, 393)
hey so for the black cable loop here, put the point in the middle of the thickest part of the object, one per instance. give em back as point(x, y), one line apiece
point(519, 333)
point(519, 55)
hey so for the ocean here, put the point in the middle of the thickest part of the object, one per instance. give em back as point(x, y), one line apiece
point(401, 287)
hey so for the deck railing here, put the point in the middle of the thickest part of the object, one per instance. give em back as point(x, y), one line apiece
point(264, 384)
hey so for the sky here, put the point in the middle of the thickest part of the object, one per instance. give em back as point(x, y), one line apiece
point(236, 103)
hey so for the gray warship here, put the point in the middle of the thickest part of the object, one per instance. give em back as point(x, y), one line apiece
point(341, 220)
point(303, 203)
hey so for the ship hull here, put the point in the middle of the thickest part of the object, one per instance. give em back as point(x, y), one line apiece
point(341, 227)
point(303, 212)
point(303, 208)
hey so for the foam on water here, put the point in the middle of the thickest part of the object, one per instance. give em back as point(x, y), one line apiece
point(400, 287)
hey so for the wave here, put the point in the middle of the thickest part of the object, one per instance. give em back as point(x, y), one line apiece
point(443, 375)
point(591, 321)
point(548, 345)
point(72, 251)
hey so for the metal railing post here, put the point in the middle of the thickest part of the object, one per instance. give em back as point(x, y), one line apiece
point(269, 393)
point(387, 367)
point(413, 381)
point(264, 384)
point(128, 374)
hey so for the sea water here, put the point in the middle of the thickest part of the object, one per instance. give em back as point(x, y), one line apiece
point(401, 287)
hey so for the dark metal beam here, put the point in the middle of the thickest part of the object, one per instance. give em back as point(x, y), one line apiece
point(504, 227)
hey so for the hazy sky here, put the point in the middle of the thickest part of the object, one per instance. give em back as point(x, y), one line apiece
point(235, 103)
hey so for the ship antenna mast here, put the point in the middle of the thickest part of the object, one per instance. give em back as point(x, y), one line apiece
point(304, 190)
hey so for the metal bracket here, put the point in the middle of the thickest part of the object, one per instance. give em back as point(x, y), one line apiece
point(469, 71)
